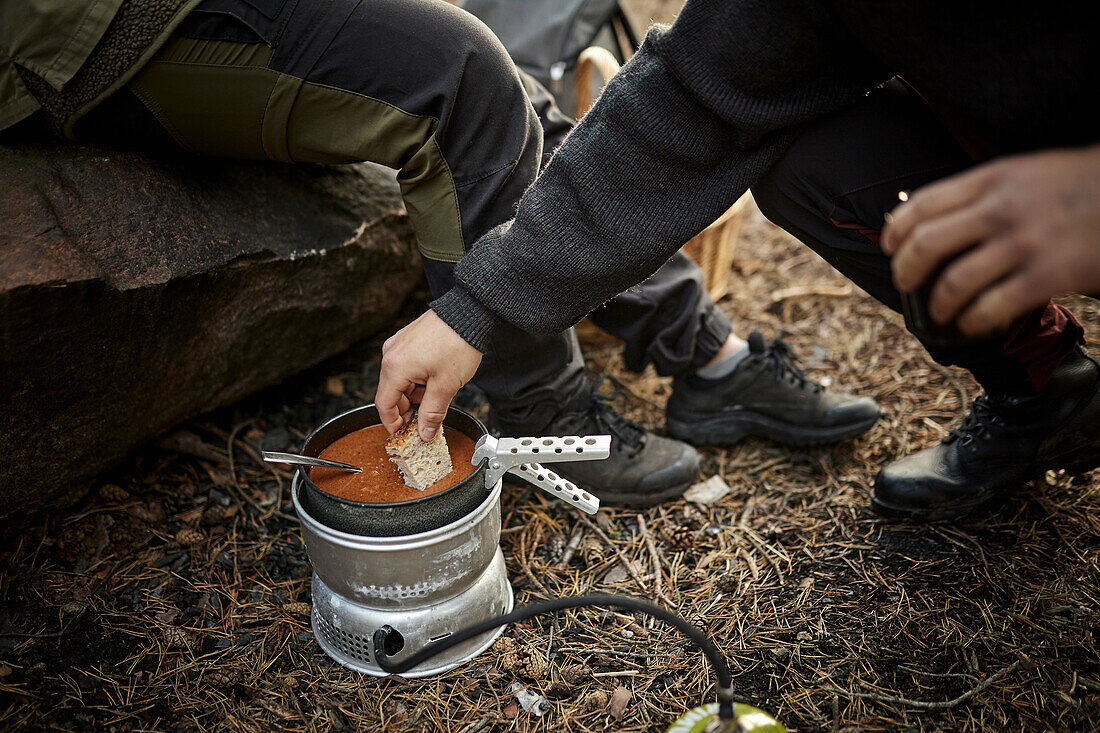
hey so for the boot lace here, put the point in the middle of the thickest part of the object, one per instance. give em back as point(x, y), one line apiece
point(778, 357)
point(601, 414)
point(984, 413)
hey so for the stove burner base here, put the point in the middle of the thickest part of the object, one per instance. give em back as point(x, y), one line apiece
point(345, 629)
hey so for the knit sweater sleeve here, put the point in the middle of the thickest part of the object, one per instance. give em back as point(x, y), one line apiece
point(699, 113)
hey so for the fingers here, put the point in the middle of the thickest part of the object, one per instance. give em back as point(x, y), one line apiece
point(433, 408)
point(938, 239)
point(391, 399)
point(417, 394)
point(425, 362)
point(968, 276)
point(932, 201)
point(999, 305)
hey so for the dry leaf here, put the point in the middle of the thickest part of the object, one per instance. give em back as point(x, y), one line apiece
point(559, 690)
point(620, 698)
point(707, 492)
point(274, 708)
point(615, 575)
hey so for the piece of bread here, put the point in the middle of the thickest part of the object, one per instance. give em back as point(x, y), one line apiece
point(421, 464)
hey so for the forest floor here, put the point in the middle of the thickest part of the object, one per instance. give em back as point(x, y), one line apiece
point(176, 597)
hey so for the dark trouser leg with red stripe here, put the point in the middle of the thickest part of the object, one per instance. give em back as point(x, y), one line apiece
point(843, 173)
point(1041, 408)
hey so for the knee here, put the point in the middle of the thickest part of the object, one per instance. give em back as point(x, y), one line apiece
point(474, 56)
point(775, 193)
point(418, 54)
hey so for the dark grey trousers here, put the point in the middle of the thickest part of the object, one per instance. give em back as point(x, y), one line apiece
point(424, 88)
point(832, 188)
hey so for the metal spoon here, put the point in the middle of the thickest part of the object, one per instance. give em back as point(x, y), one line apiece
point(297, 460)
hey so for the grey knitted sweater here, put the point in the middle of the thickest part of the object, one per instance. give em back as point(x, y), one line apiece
point(706, 106)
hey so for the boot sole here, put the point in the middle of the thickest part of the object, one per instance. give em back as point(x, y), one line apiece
point(1075, 462)
point(730, 428)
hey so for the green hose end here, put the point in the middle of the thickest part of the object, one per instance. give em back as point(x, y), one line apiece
point(704, 719)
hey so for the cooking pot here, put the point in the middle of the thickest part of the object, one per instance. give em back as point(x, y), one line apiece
point(492, 458)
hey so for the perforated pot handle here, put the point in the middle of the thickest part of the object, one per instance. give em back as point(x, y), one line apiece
point(519, 456)
point(555, 485)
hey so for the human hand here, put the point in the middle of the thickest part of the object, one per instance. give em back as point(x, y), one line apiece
point(425, 362)
point(1025, 228)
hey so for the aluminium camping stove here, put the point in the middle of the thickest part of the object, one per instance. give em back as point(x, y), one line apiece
point(423, 585)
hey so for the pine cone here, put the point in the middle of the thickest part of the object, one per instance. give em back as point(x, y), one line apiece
point(176, 503)
point(224, 677)
point(592, 551)
point(534, 666)
point(524, 661)
point(298, 608)
point(681, 536)
point(559, 690)
point(113, 492)
point(575, 674)
point(177, 638)
point(556, 546)
point(214, 514)
point(595, 700)
point(188, 536)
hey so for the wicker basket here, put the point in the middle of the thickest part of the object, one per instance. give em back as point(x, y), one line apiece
point(712, 248)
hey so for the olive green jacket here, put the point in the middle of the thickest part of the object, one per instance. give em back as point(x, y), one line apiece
point(65, 56)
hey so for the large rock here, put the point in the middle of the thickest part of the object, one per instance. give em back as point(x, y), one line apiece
point(136, 292)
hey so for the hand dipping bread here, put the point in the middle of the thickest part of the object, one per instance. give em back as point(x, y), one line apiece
point(421, 464)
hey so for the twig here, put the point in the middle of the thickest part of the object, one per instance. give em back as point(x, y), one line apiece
point(943, 675)
point(798, 291)
point(570, 548)
point(743, 526)
point(923, 705)
point(600, 650)
point(652, 554)
point(525, 565)
point(187, 443)
point(479, 725)
point(625, 561)
point(229, 452)
point(623, 673)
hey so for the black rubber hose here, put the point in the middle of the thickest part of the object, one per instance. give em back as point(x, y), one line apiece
point(710, 651)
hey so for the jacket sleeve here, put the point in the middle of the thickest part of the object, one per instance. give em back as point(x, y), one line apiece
point(688, 124)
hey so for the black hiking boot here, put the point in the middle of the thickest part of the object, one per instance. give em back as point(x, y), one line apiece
point(767, 395)
point(1001, 443)
point(643, 469)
